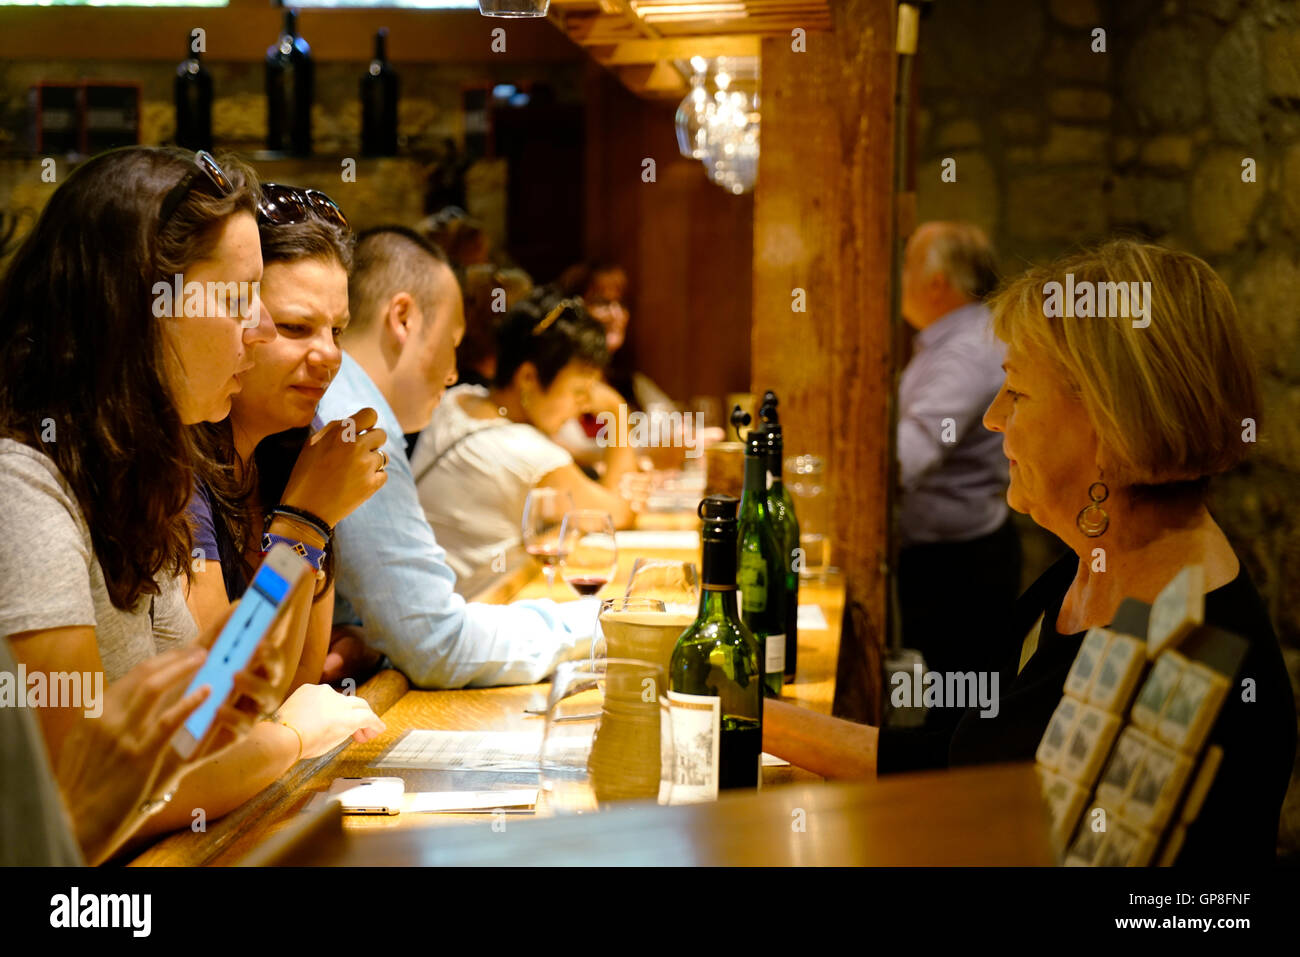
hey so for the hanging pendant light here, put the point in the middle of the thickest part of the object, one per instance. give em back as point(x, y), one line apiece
point(513, 8)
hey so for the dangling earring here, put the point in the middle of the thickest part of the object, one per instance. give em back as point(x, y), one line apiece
point(1093, 520)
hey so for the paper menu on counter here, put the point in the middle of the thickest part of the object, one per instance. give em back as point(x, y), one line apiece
point(520, 799)
point(451, 802)
point(465, 751)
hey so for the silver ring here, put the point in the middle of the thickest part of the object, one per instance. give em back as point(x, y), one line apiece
point(384, 464)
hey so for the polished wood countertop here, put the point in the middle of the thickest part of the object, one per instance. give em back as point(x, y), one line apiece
point(981, 815)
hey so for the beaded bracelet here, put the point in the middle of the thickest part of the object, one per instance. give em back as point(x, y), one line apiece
point(314, 556)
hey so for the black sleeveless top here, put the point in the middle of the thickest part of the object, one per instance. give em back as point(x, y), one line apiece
point(1238, 823)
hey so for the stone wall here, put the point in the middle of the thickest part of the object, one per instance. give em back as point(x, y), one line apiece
point(1057, 146)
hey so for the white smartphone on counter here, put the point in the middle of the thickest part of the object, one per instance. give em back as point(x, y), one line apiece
point(369, 795)
point(253, 618)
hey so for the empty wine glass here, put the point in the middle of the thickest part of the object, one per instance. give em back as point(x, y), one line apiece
point(544, 512)
point(608, 737)
point(588, 553)
point(676, 584)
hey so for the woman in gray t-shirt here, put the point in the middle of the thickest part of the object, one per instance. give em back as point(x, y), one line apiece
point(124, 317)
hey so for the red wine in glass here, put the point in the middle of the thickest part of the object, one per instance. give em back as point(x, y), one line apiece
point(586, 584)
point(590, 553)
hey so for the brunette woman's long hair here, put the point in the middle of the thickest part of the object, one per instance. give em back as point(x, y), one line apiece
point(83, 374)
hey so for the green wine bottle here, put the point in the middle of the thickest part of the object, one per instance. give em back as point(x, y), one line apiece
point(715, 678)
point(781, 507)
point(761, 566)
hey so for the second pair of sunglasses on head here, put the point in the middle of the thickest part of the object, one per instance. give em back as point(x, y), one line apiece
point(278, 205)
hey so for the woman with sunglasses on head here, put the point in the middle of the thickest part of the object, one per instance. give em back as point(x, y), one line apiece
point(268, 478)
point(98, 378)
point(338, 472)
point(485, 449)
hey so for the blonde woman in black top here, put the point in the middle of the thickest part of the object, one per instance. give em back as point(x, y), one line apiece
point(1112, 427)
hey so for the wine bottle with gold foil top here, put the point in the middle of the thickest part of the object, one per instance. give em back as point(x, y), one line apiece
point(761, 562)
point(715, 678)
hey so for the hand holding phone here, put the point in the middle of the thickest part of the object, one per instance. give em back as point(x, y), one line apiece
point(252, 619)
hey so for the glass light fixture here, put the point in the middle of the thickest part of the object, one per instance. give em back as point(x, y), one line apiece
point(692, 114)
point(731, 159)
point(513, 8)
point(721, 128)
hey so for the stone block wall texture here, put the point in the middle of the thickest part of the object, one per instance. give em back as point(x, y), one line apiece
point(1058, 146)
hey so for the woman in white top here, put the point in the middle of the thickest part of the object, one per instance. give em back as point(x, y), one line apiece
point(486, 448)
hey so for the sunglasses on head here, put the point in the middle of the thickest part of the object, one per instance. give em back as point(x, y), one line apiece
point(204, 164)
point(279, 205)
point(287, 205)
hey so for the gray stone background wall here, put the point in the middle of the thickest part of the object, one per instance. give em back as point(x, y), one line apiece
point(1057, 146)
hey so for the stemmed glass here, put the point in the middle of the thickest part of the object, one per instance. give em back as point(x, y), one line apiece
point(544, 512)
point(676, 584)
point(588, 553)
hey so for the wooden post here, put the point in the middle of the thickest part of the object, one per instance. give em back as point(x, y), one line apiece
point(823, 224)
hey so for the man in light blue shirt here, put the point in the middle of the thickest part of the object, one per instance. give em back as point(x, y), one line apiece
point(391, 574)
point(959, 565)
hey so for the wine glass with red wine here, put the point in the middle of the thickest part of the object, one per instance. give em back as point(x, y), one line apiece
point(588, 554)
point(544, 512)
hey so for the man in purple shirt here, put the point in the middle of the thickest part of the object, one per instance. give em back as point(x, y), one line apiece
point(959, 564)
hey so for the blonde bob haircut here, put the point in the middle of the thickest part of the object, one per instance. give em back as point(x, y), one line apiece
point(1166, 399)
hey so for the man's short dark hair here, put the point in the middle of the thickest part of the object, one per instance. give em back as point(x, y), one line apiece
point(388, 260)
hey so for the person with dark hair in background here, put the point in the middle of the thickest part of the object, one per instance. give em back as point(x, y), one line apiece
point(399, 354)
point(954, 523)
point(490, 293)
point(602, 287)
point(461, 238)
point(486, 448)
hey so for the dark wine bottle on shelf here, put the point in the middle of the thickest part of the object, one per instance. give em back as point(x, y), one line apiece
point(193, 94)
point(379, 102)
point(761, 563)
point(781, 508)
point(290, 88)
point(716, 675)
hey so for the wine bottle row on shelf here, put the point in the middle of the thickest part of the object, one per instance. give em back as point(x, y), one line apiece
point(290, 91)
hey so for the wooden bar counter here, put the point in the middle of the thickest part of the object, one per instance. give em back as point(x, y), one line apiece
point(976, 816)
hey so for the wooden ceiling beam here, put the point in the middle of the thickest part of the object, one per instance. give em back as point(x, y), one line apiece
point(644, 53)
point(677, 48)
